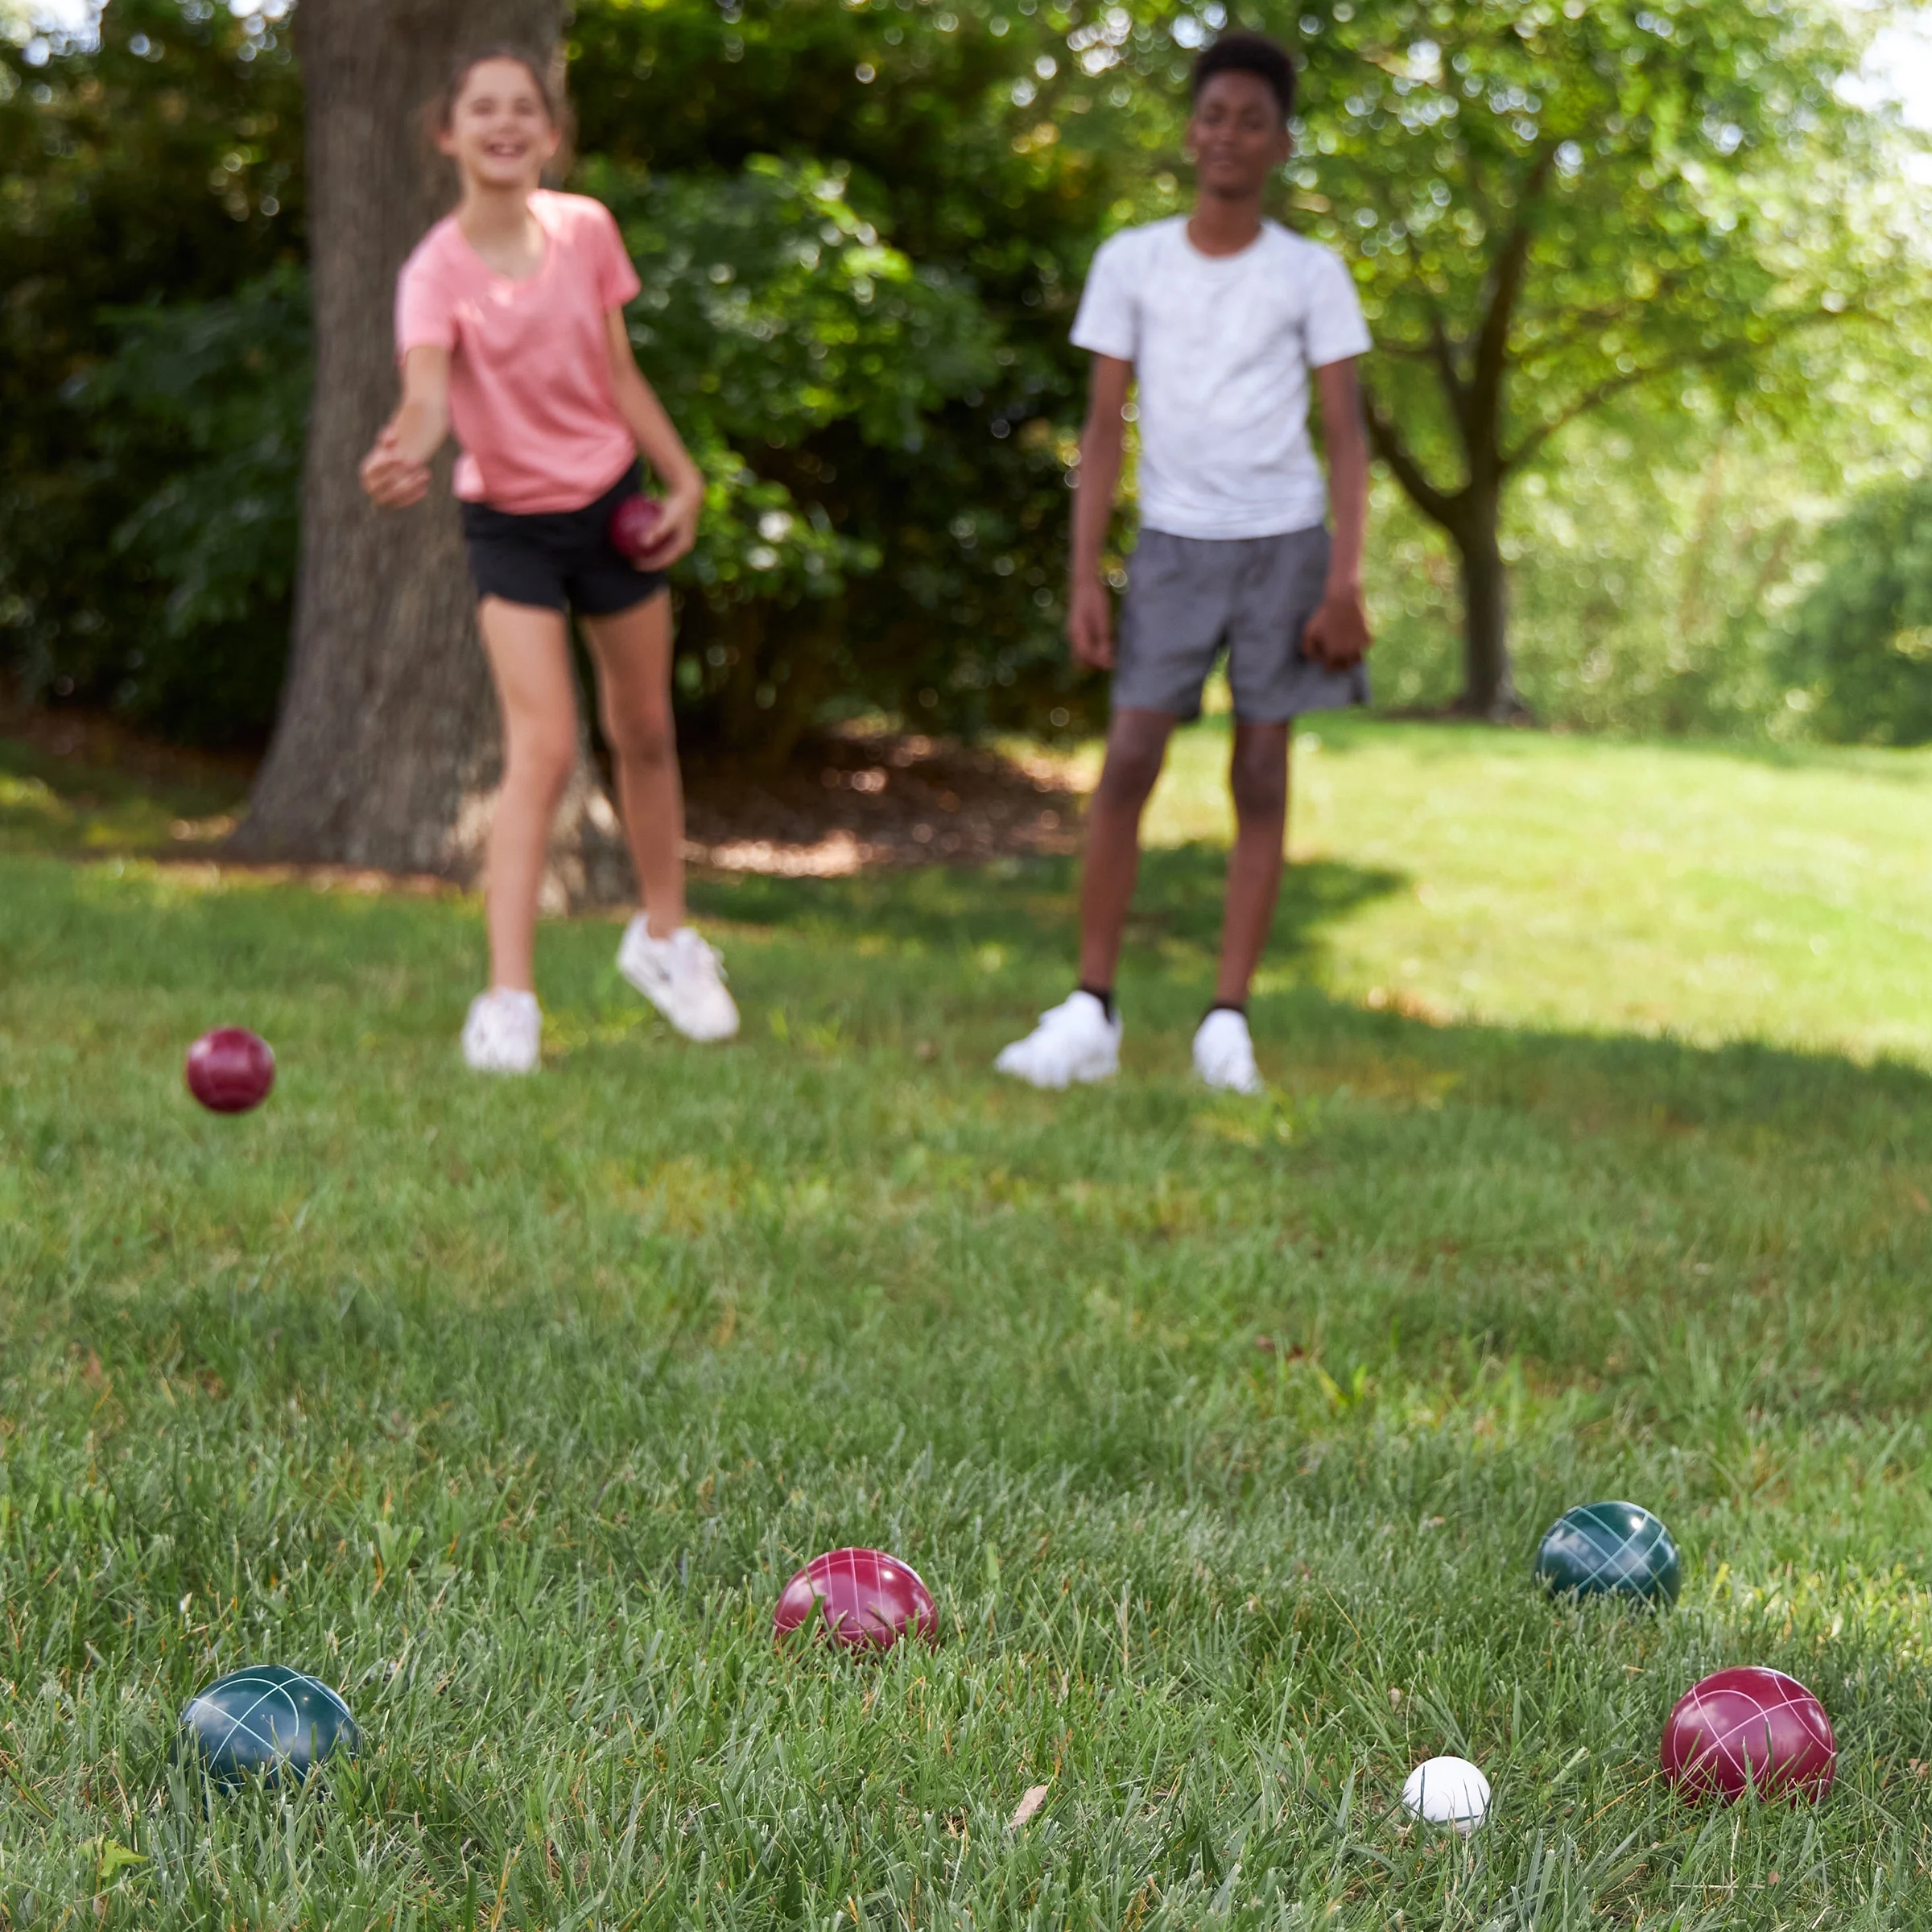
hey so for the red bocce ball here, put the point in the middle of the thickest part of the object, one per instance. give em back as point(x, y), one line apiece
point(230, 1070)
point(1749, 1729)
point(866, 1598)
point(634, 526)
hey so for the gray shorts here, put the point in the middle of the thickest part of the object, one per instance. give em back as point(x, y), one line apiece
point(1186, 596)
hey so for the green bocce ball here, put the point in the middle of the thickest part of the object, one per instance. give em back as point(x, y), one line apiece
point(1609, 1549)
point(266, 1721)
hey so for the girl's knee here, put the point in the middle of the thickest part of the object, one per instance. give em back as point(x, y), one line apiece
point(641, 737)
point(541, 760)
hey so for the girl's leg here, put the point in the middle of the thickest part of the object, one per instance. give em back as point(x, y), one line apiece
point(632, 651)
point(529, 658)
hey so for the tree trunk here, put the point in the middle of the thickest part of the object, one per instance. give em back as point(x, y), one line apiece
point(387, 749)
point(1488, 686)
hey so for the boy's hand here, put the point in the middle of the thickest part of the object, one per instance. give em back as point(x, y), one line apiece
point(1337, 635)
point(677, 528)
point(393, 479)
point(1090, 624)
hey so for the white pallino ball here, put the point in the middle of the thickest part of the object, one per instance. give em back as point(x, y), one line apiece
point(1448, 1791)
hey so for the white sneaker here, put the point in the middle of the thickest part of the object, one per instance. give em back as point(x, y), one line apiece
point(504, 1033)
point(683, 977)
point(1224, 1053)
point(1075, 1041)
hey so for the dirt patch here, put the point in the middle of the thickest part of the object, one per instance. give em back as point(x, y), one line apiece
point(850, 800)
point(857, 799)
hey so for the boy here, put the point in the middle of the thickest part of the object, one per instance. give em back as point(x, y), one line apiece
point(1219, 317)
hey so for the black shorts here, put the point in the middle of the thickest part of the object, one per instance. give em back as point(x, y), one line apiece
point(558, 559)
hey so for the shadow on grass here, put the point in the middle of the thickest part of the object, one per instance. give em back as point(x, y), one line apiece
point(898, 956)
point(1027, 911)
point(1028, 908)
point(60, 807)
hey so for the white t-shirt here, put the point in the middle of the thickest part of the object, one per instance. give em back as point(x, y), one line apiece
point(1222, 346)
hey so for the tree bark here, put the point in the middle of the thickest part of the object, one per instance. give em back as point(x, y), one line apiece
point(1488, 686)
point(387, 749)
point(1471, 517)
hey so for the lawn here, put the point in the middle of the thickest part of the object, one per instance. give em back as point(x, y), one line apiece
point(1599, 1162)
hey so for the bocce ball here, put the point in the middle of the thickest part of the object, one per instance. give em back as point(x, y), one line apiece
point(267, 1721)
point(1609, 1549)
point(634, 526)
point(230, 1070)
point(1447, 1791)
point(865, 1598)
point(1749, 1729)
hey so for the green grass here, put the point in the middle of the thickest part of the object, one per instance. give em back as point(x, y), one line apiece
point(1223, 1431)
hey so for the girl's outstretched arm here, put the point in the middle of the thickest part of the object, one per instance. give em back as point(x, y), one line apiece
point(396, 472)
point(662, 448)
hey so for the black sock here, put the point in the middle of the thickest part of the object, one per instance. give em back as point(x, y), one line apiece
point(1239, 1006)
point(1103, 994)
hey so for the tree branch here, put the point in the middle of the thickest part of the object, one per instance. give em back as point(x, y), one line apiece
point(1437, 504)
point(1505, 287)
point(1614, 385)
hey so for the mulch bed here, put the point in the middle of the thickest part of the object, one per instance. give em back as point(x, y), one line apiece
point(858, 799)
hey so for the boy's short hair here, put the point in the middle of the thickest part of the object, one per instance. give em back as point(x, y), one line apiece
point(1248, 54)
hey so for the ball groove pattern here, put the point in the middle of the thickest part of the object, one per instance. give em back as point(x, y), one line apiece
point(865, 1600)
point(634, 526)
point(1609, 1549)
point(1749, 1729)
point(267, 1720)
point(230, 1070)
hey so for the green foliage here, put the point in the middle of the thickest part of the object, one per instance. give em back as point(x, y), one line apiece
point(1626, 190)
point(161, 168)
point(1858, 652)
point(215, 395)
point(1222, 1432)
point(1654, 568)
point(771, 313)
point(884, 427)
point(1549, 207)
point(888, 423)
point(948, 487)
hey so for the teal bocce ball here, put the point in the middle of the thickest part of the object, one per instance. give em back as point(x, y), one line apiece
point(1609, 1549)
point(266, 1721)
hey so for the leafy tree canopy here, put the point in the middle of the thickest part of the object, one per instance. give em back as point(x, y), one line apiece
point(862, 229)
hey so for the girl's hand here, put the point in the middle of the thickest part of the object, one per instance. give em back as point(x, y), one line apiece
point(677, 528)
point(393, 479)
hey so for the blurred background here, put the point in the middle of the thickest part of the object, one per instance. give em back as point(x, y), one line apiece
point(862, 228)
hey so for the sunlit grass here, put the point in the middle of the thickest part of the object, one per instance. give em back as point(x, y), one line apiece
point(1712, 892)
point(1223, 1432)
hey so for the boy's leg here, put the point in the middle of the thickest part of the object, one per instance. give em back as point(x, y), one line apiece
point(632, 651)
point(530, 661)
point(1258, 777)
point(1136, 746)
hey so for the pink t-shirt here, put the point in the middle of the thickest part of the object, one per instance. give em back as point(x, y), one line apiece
point(530, 393)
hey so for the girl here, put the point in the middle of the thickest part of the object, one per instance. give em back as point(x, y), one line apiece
point(509, 327)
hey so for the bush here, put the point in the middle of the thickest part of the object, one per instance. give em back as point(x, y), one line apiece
point(1858, 650)
point(886, 430)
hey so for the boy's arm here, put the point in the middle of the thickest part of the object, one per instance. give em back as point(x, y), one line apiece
point(1089, 613)
point(395, 473)
point(1337, 634)
point(658, 440)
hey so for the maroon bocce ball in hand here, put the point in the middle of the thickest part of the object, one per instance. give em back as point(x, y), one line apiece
point(230, 1070)
point(1749, 1729)
point(866, 1599)
point(634, 525)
